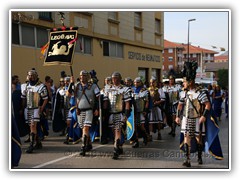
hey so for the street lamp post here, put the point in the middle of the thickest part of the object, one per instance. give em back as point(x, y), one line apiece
point(188, 36)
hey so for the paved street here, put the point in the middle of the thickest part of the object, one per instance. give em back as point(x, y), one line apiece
point(159, 154)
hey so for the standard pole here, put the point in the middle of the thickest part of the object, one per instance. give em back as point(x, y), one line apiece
point(188, 43)
point(71, 70)
point(188, 36)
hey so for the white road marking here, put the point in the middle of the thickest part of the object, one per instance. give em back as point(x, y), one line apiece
point(62, 158)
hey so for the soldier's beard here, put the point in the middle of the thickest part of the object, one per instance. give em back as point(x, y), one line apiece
point(33, 82)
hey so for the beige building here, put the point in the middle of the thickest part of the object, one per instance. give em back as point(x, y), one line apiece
point(125, 41)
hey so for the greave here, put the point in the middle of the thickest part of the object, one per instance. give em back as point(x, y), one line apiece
point(84, 144)
point(173, 129)
point(89, 144)
point(67, 137)
point(117, 150)
point(38, 144)
point(187, 149)
point(32, 142)
point(200, 148)
point(145, 138)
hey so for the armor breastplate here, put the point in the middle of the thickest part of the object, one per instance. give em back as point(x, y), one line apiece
point(67, 102)
point(33, 99)
point(154, 94)
point(189, 111)
point(116, 102)
point(173, 96)
point(86, 100)
point(139, 102)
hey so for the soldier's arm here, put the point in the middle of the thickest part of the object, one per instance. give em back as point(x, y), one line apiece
point(127, 105)
point(205, 112)
point(23, 105)
point(71, 88)
point(179, 109)
point(24, 101)
point(43, 105)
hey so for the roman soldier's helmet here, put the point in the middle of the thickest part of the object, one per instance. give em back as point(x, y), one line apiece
point(128, 79)
point(33, 72)
point(83, 72)
point(116, 74)
point(108, 78)
point(189, 70)
point(67, 79)
point(138, 79)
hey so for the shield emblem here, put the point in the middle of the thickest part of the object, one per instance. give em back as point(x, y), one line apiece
point(130, 125)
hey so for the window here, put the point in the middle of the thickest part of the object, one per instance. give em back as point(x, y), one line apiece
point(156, 73)
point(84, 44)
point(170, 67)
point(112, 15)
point(162, 59)
point(105, 48)
point(15, 34)
point(157, 26)
point(42, 37)
point(45, 15)
point(138, 19)
point(28, 38)
point(112, 49)
point(143, 74)
point(170, 50)
point(27, 35)
point(170, 58)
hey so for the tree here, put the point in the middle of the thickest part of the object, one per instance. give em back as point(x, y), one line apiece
point(177, 73)
point(171, 72)
point(223, 77)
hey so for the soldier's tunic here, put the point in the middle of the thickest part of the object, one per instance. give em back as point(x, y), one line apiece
point(35, 95)
point(117, 95)
point(64, 103)
point(23, 88)
point(192, 111)
point(86, 100)
point(140, 96)
point(155, 115)
point(173, 94)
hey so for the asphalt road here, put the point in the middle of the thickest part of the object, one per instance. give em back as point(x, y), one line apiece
point(157, 155)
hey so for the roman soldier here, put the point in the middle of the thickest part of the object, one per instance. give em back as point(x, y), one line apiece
point(157, 98)
point(195, 105)
point(35, 98)
point(117, 98)
point(86, 94)
point(61, 115)
point(171, 91)
point(141, 104)
point(106, 131)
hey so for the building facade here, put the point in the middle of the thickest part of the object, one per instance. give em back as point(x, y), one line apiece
point(175, 54)
point(172, 57)
point(124, 41)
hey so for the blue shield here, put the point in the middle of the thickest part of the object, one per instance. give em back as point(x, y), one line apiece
point(130, 125)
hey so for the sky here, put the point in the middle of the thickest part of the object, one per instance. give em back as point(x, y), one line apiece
point(211, 28)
